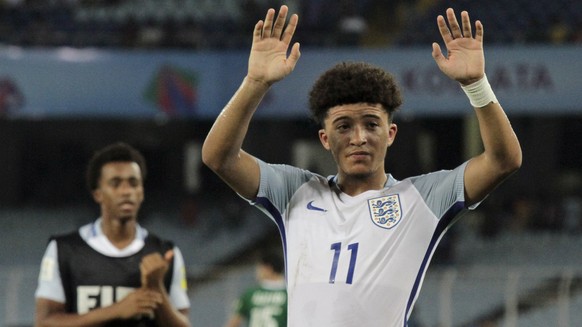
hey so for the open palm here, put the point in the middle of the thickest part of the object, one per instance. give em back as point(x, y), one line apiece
point(465, 60)
point(268, 61)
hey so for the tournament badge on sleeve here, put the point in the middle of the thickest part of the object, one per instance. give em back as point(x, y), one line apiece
point(385, 211)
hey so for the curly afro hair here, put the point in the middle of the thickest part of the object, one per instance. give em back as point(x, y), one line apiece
point(353, 82)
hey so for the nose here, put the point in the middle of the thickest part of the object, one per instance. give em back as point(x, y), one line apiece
point(125, 188)
point(358, 136)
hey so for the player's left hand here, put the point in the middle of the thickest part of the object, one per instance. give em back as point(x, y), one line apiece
point(153, 268)
point(465, 61)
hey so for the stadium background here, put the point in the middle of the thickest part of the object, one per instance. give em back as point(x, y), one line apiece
point(76, 75)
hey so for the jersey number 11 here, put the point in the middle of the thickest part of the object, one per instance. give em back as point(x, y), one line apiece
point(337, 248)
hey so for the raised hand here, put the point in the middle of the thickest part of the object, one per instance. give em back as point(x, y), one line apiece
point(153, 269)
point(268, 61)
point(465, 61)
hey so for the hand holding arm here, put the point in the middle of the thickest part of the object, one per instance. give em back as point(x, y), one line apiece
point(141, 302)
point(153, 268)
point(136, 304)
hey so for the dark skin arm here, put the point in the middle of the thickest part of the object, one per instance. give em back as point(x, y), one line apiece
point(141, 302)
point(153, 269)
point(152, 300)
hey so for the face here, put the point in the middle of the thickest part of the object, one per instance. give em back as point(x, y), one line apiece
point(358, 136)
point(120, 190)
point(263, 272)
point(260, 271)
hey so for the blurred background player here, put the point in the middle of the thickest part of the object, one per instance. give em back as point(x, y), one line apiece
point(112, 272)
point(266, 303)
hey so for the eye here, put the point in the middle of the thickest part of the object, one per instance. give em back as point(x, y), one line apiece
point(342, 127)
point(134, 182)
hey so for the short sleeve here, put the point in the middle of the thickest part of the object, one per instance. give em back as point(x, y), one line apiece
point(50, 285)
point(179, 287)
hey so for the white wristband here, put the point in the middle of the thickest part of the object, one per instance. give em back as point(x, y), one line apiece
point(480, 93)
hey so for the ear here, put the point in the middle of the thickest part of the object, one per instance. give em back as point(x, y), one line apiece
point(392, 130)
point(97, 195)
point(324, 139)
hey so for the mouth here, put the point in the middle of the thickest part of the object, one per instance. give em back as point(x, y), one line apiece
point(126, 205)
point(359, 155)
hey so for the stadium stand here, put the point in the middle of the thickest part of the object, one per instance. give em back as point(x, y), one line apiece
point(511, 23)
point(222, 24)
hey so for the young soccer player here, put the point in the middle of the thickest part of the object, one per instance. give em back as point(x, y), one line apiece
point(358, 243)
point(113, 272)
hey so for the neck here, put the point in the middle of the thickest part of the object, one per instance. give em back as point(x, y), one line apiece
point(354, 185)
point(120, 232)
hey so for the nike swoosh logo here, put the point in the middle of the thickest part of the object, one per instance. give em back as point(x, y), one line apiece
point(310, 206)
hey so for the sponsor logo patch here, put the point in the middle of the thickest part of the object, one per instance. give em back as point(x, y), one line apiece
point(310, 206)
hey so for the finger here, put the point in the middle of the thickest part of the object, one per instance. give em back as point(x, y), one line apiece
point(294, 56)
point(466, 24)
point(290, 29)
point(144, 266)
point(144, 272)
point(454, 25)
point(280, 22)
point(153, 298)
point(479, 31)
point(258, 32)
point(149, 298)
point(437, 54)
point(147, 313)
point(444, 29)
point(169, 255)
point(268, 25)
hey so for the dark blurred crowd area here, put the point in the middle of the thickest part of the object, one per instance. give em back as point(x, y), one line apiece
point(227, 24)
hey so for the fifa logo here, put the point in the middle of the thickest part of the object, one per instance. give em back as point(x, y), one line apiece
point(90, 297)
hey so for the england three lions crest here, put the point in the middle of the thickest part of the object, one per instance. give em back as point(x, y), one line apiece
point(385, 211)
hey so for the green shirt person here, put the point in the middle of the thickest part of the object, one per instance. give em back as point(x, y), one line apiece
point(264, 305)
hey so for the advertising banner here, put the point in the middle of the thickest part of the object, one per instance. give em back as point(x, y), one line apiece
point(95, 83)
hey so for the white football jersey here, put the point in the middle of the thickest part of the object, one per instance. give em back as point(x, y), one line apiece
point(357, 261)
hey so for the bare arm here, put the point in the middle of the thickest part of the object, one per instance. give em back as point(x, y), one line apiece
point(465, 63)
point(268, 63)
point(153, 269)
point(141, 302)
